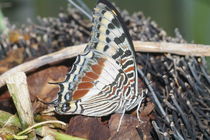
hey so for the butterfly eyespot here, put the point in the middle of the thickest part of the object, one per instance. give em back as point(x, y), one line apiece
point(65, 107)
point(71, 86)
point(67, 96)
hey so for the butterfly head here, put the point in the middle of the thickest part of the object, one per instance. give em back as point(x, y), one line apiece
point(65, 108)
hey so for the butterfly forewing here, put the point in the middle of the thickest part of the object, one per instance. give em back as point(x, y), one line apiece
point(103, 80)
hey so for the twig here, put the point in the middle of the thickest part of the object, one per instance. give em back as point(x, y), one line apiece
point(157, 102)
point(43, 60)
point(183, 116)
point(177, 135)
point(174, 48)
point(69, 52)
point(161, 135)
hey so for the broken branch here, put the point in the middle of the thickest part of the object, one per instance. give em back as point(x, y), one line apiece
point(69, 52)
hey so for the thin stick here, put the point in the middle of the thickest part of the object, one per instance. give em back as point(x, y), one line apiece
point(43, 60)
point(174, 48)
point(154, 95)
point(69, 52)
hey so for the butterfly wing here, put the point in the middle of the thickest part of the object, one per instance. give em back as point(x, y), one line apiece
point(103, 80)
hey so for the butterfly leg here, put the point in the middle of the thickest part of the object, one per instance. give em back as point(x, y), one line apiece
point(120, 122)
point(139, 105)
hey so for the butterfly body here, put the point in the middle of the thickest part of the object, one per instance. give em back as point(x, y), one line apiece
point(103, 80)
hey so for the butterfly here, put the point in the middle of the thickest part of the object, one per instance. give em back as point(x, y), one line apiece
point(103, 80)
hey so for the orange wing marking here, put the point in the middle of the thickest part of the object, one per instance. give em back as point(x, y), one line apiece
point(88, 78)
point(129, 69)
point(79, 93)
point(85, 85)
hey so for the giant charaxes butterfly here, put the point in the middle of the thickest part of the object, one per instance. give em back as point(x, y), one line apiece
point(103, 80)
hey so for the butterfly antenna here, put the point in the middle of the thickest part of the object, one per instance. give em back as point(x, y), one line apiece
point(86, 13)
point(85, 7)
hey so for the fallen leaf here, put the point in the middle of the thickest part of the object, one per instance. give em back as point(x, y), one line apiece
point(88, 127)
point(39, 87)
